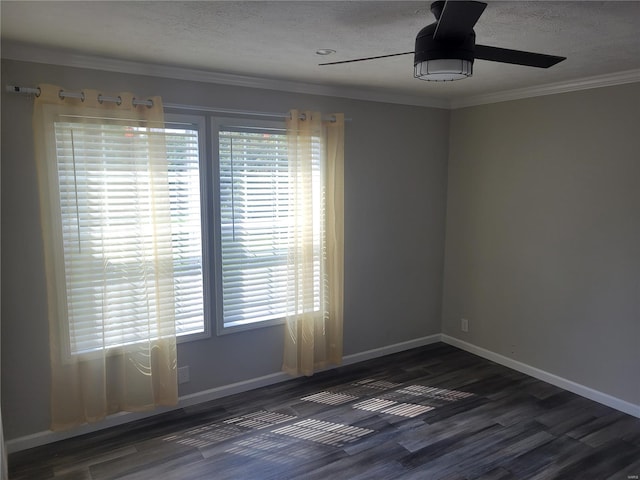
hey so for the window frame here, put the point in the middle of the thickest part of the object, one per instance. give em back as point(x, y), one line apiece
point(171, 120)
point(239, 123)
point(199, 122)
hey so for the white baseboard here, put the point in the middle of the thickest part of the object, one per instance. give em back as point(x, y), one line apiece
point(571, 386)
point(45, 437)
point(389, 349)
point(48, 436)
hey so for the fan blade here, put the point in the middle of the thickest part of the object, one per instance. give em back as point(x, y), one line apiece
point(457, 19)
point(366, 58)
point(517, 57)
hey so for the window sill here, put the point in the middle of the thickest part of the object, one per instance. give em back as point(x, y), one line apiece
point(191, 337)
point(243, 327)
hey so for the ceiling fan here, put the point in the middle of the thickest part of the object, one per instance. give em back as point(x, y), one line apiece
point(445, 50)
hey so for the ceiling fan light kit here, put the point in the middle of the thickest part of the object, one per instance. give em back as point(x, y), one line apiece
point(445, 50)
point(443, 69)
point(441, 60)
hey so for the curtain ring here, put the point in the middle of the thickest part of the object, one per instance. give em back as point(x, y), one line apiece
point(303, 116)
point(109, 99)
point(62, 96)
point(146, 103)
point(39, 92)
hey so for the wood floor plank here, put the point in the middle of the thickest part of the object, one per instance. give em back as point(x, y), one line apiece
point(498, 473)
point(144, 463)
point(434, 412)
point(628, 472)
point(613, 457)
point(372, 463)
point(617, 429)
point(546, 461)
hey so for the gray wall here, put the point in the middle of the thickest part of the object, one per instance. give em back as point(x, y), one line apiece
point(543, 234)
point(395, 193)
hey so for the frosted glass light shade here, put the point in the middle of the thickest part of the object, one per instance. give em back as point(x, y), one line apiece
point(443, 70)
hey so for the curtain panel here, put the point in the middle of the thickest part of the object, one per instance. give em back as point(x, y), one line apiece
point(105, 213)
point(313, 333)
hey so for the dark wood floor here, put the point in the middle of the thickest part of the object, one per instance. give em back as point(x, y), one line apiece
point(431, 413)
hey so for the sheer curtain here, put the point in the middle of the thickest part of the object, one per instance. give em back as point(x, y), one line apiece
point(313, 333)
point(105, 211)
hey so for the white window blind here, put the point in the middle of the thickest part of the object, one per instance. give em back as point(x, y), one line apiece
point(184, 190)
point(255, 224)
point(104, 190)
point(254, 209)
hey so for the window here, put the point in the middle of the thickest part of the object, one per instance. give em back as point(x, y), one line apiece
point(255, 225)
point(183, 152)
point(98, 182)
point(245, 253)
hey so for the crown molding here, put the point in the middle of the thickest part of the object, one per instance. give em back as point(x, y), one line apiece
point(37, 54)
point(607, 80)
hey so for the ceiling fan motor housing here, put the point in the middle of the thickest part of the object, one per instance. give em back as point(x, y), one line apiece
point(429, 49)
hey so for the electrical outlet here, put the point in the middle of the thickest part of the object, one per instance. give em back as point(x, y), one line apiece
point(183, 374)
point(464, 324)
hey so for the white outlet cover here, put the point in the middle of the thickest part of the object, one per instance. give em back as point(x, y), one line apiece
point(183, 374)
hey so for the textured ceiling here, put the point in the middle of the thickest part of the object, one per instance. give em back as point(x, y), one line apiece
point(278, 40)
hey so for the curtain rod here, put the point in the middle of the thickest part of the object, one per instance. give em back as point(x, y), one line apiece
point(175, 106)
point(80, 95)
